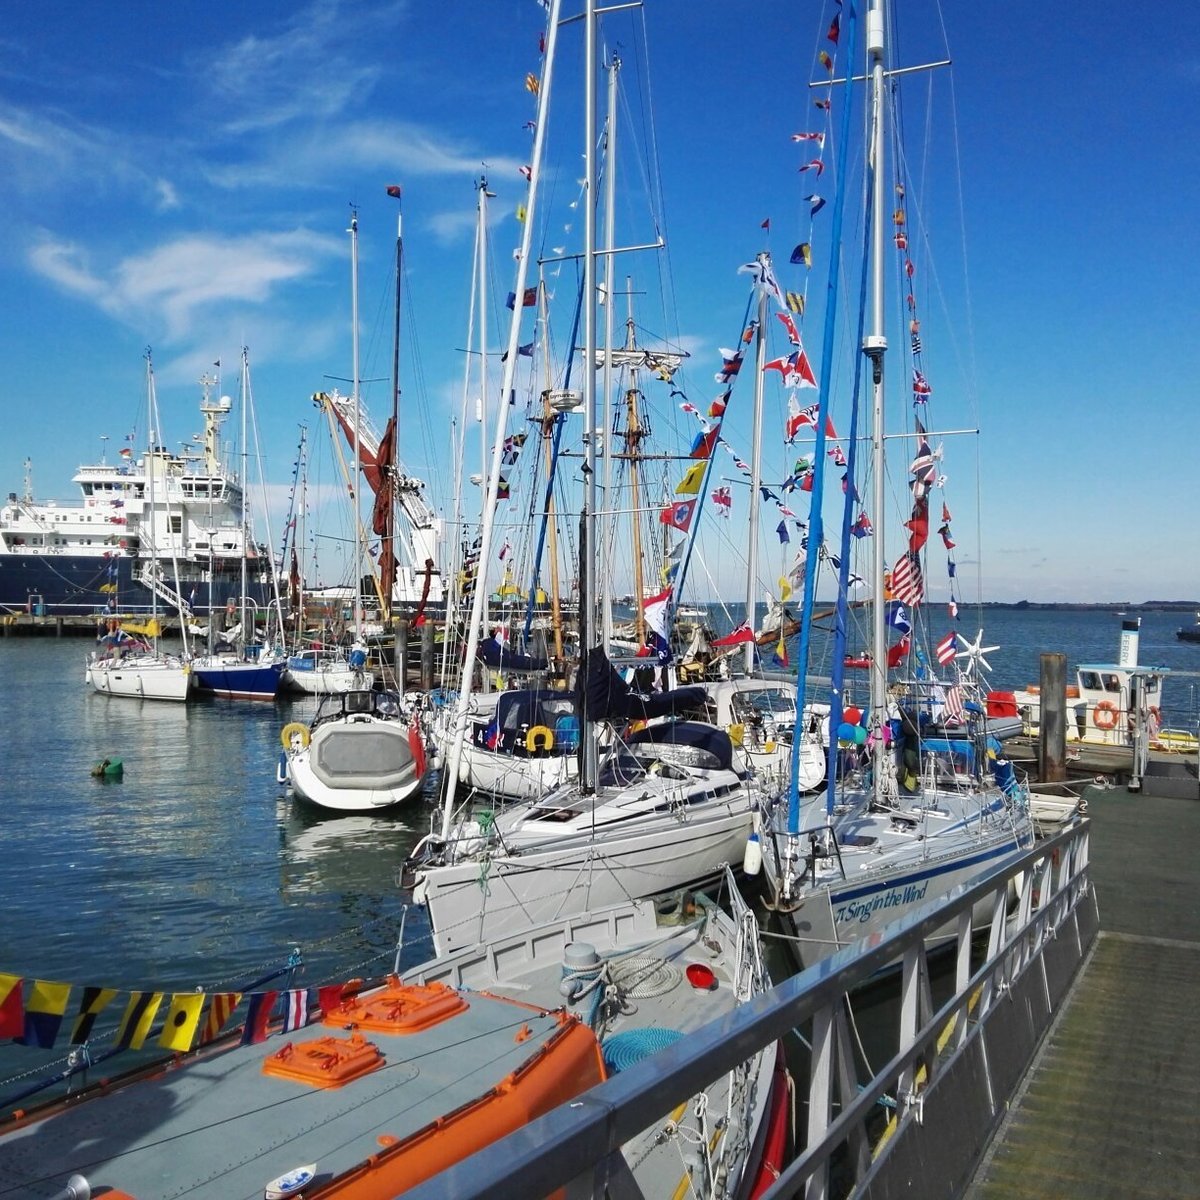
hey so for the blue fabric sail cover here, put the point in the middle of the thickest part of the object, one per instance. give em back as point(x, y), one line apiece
point(501, 658)
point(610, 698)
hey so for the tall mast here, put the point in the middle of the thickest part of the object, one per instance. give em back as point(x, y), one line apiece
point(633, 449)
point(610, 220)
point(875, 346)
point(353, 231)
point(590, 758)
point(387, 557)
point(760, 357)
point(245, 484)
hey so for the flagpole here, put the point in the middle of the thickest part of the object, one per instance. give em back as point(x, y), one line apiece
point(760, 356)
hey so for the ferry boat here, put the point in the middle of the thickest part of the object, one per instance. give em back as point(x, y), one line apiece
point(97, 555)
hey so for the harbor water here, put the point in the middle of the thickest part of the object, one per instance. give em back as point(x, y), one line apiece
point(196, 870)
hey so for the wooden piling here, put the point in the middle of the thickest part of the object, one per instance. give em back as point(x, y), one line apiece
point(1052, 741)
point(427, 645)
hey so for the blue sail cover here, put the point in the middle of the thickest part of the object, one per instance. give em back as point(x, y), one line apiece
point(610, 698)
point(500, 657)
point(708, 739)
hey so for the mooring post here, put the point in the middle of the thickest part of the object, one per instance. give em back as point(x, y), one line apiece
point(400, 654)
point(427, 645)
point(1052, 740)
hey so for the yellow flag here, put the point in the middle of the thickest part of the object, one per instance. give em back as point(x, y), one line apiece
point(785, 589)
point(183, 1019)
point(533, 83)
point(692, 481)
point(44, 1011)
point(520, 212)
point(139, 1016)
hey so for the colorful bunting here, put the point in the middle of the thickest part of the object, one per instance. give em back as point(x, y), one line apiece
point(139, 1015)
point(692, 481)
point(92, 1003)
point(182, 1021)
point(44, 1010)
point(258, 1016)
point(678, 516)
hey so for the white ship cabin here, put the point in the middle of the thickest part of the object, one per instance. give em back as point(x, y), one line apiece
point(1104, 710)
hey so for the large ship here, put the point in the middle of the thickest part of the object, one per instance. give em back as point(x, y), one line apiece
point(163, 521)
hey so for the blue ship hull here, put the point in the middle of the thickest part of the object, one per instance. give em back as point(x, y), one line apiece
point(69, 585)
point(238, 680)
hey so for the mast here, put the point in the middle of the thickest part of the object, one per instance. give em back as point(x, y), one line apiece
point(610, 218)
point(589, 764)
point(387, 556)
point(760, 358)
point(633, 441)
point(358, 540)
point(245, 485)
point(507, 395)
point(875, 346)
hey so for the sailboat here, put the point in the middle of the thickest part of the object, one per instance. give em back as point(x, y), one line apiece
point(244, 668)
point(361, 752)
point(658, 808)
point(131, 662)
point(917, 799)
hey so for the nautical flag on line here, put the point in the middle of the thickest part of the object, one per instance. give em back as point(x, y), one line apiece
point(692, 480)
point(139, 1015)
point(220, 1009)
point(295, 1009)
point(896, 616)
point(258, 1016)
point(907, 584)
point(657, 612)
point(947, 649)
point(182, 1021)
point(678, 516)
point(723, 499)
point(955, 709)
point(12, 1006)
point(91, 1004)
point(44, 1013)
point(795, 302)
point(743, 633)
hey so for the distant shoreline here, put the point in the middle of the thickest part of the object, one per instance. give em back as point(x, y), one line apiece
point(1130, 610)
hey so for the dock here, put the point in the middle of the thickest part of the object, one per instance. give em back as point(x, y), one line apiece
point(1110, 1105)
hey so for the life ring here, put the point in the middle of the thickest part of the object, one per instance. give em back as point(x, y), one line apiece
point(540, 737)
point(1104, 715)
point(294, 729)
point(1155, 718)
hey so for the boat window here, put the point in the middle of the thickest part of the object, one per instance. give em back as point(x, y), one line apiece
point(1089, 680)
point(1112, 683)
point(621, 768)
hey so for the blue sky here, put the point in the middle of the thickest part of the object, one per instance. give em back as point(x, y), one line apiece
point(181, 177)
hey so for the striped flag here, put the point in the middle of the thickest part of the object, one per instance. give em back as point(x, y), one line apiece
point(140, 1012)
point(907, 584)
point(795, 301)
point(258, 1016)
point(947, 649)
point(220, 1009)
point(955, 712)
point(295, 1009)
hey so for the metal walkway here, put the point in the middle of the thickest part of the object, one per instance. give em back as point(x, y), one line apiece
point(1111, 1107)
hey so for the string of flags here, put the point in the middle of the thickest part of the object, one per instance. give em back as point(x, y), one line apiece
point(34, 1013)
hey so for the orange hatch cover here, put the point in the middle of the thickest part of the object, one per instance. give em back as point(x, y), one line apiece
point(398, 1008)
point(325, 1062)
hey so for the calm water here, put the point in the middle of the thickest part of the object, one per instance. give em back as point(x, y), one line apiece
point(196, 870)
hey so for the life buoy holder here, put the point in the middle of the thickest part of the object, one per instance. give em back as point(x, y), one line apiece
point(540, 737)
point(294, 729)
point(1104, 715)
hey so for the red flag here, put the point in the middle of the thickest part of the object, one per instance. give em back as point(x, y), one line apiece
point(220, 1009)
point(766, 225)
point(678, 516)
point(947, 649)
point(393, 191)
point(258, 1016)
point(919, 526)
point(743, 633)
point(12, 1007)
point(899, 652)
point(907, 585)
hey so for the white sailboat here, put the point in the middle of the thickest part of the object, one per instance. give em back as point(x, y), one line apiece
point(667, 805)
point(131, 663)
point(921, 806)
point(361, 753)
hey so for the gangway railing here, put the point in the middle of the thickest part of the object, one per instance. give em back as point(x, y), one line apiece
point(151, 575)
point(946, 1085)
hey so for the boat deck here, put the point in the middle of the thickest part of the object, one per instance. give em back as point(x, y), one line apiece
point(1110, 1107)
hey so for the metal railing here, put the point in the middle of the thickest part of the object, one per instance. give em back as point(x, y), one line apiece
point(1043, 919)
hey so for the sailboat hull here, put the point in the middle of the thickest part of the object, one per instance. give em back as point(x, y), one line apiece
point(477, 900)
point(147, 678)
point(233, 680)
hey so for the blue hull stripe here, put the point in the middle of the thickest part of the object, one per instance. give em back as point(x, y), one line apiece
point(930, 872)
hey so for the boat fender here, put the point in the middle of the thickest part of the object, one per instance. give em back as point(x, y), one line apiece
point(281, 775)
point(540, 737)
point(290, 1182)
point(292, 731)
point(1104, 715)
point(752, 861)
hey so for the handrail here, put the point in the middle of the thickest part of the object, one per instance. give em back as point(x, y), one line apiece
point(1031, 896)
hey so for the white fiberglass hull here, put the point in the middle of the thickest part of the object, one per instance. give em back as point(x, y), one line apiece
point(864, 888)
point(142, 678)
point(358, 764)
point(328, 681)
point(478, 899)
point(513, 778)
